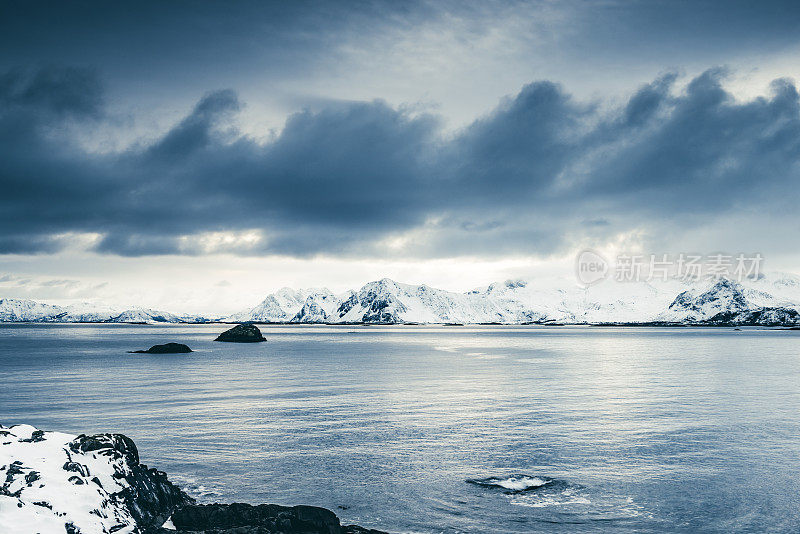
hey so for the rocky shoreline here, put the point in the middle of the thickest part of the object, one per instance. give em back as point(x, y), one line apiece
point(55, 482)
point(241, 518)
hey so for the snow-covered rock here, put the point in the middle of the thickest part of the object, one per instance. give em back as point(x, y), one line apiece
point(55, 482)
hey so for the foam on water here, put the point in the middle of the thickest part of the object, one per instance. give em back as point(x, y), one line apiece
point(513, 483)
point(535, 491)
point(568, 496)
point(200, 491)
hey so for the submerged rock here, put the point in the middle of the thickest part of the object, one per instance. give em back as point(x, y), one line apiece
point(242, 333)
point(166, 348)
point(241, 518)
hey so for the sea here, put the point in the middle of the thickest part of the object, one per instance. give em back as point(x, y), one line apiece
point(442, 429)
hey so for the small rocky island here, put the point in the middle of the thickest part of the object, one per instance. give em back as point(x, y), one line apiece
point(166, 348)
point(61, 483)
point(242, 333)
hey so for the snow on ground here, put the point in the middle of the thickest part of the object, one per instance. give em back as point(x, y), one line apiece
point(48, 487)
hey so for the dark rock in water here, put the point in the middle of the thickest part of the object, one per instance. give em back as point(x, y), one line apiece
point(240, 518)
point(167, 348)
point(242, 333)
point(150, 497)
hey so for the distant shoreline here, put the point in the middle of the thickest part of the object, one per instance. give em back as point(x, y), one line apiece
point(654, 324)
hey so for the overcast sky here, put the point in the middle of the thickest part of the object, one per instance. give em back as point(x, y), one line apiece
point(195, 156)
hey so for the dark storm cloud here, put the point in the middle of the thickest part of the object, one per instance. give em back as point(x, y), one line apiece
point(706, 151)
point(194, 132)
point(152, 36)
point(59, 92)
point(154, 46)
point(532, 176)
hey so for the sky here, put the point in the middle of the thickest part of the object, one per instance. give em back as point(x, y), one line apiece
point(195, 156)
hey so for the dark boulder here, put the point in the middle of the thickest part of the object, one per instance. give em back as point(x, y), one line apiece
point(271, 516)
point(167, 348)
point(240, 518)
point(242, 333)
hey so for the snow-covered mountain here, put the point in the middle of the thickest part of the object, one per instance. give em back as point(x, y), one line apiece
point(89, 312)
point(319, 307)
point(386, 301)
point(144, 315)
point(727, 301)
point(21, 310)
point(517, 301)
point(285, 306)
point(510, 302)
point(695, 305)
point(17, 310)
point(769, 299)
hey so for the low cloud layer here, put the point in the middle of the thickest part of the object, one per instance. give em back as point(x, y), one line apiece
point(539, 174)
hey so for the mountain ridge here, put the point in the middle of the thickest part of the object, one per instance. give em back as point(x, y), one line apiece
point(767, 300)
point(31, 311)
point(711, 301)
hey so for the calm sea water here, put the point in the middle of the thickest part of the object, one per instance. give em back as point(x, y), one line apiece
point(627, 429)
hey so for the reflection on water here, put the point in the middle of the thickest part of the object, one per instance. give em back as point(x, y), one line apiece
point(569, 429)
